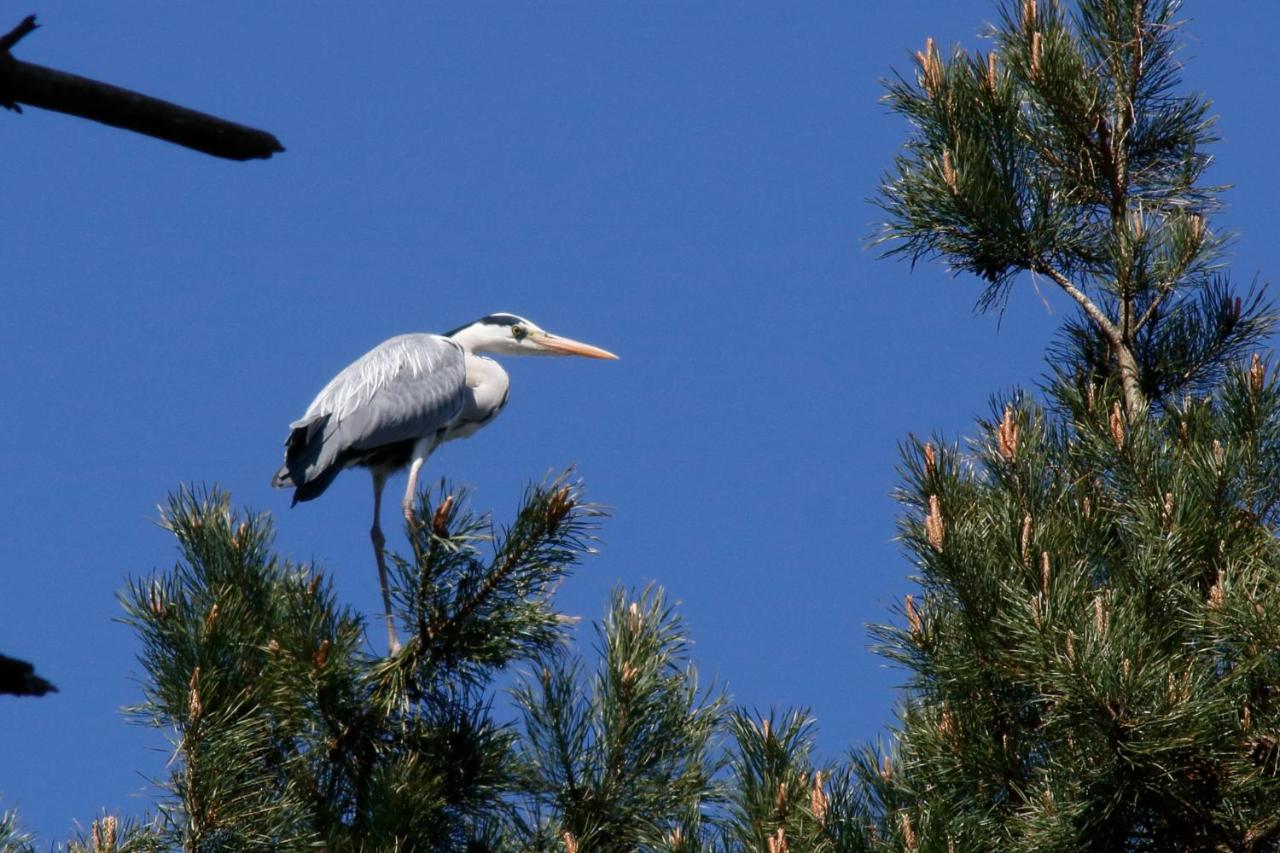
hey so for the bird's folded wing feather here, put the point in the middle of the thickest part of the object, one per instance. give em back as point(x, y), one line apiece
point(405, 388)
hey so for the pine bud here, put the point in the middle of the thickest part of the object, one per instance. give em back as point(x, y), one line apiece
point(1246, 719)
point(1257, 373)
point(1117, 425)
point(675, 838)
point(1168, 507)
point(1008, 435)
point(629, 673)
point(440, 520)
point(1044, 572)
point(930, 460)
point(634, 620)
point(934, 527)
point(992, 70)
point(1033, 604)
point(1035, 54)
point(1124, 667)
point(1217, 451)
point(570, 843)
point(211, 618)
point(1071, 644)
point(781, 802)
point(778, 841)
point(195, 707)
point(1028, 13)
point(886, 768)
point(930, 67)
point(1025, 544)
point(766, 729)
point(948, 171)
point(321, 656)
point(103, 834)
point(313, 585)
point(913, 618)
point(908, 834)
point(818, 801)
point(1135, 223)
point(1046, 797)
point(1099, 616)
point(1197, 228)
point(1086, 508)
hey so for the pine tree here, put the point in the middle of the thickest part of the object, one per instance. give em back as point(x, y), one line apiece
point(1094, 650)
point(288, 734)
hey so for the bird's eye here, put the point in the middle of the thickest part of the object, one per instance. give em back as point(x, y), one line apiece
point(518, 332)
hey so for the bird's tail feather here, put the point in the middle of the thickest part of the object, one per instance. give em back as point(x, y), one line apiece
point(306, 464)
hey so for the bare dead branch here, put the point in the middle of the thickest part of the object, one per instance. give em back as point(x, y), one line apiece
point(50, 89)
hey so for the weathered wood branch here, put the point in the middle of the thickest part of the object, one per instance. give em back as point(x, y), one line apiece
point(18, 678)
point(50, 89)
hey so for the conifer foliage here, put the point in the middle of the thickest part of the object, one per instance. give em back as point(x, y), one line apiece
point(288, 734)
point(1094, 650)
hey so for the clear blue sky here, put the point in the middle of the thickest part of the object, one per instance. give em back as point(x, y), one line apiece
point(681, 183)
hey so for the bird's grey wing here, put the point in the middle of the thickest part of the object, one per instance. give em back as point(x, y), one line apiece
point(405, 388)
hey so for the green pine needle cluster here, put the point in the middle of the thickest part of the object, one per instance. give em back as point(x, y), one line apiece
point(1094, 651)
point(288, 734)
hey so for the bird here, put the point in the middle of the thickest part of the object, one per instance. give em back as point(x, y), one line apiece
point(393, 406)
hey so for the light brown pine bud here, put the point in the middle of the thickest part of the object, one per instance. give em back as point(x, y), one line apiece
point(1117, 424)
point(195, 707)
point(1009, 432)
point(934, 527)
point(914, 624)
point(818, 800)
point(1257, 374)
point(908, 834)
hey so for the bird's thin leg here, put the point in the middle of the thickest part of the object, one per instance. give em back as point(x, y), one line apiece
point(375, 533)
point(421, 450)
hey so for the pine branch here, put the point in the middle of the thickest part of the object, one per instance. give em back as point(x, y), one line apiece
point(50, 89)
point(1130, 376)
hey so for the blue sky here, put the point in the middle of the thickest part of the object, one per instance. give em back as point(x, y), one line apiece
point(681, 183)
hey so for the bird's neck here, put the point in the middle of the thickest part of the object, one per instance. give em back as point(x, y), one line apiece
point(474, 339)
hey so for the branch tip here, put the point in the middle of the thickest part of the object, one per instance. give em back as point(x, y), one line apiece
point(24, 28)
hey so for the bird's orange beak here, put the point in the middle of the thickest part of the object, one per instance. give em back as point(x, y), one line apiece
point(567, 346)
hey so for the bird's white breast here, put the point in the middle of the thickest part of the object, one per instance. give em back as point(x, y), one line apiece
point(487, 386)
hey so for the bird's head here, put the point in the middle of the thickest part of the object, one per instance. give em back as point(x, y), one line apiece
point(507, 334)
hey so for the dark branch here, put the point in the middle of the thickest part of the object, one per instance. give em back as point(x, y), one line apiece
point(47, 88)
point(18, 678)
point(19, 32)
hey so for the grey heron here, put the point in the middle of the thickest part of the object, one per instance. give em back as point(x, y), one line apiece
point(397, 403)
